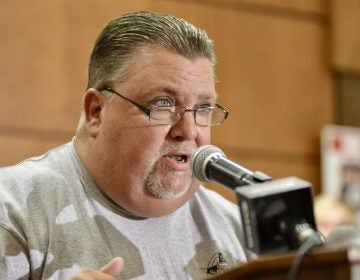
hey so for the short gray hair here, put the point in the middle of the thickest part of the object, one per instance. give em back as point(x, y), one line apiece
point(118, 41)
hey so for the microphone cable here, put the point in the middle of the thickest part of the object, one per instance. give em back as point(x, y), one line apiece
point(313, 240)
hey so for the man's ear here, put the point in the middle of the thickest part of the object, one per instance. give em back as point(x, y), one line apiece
point(93, 105)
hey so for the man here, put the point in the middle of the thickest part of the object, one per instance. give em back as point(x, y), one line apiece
point(120, 199)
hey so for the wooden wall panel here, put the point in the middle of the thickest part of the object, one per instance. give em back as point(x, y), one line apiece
point(35, 90)
point(292, 7)
point(276, 82)
point(345, 39)
point(272, 70)
point(349, 96)
point(15, 149)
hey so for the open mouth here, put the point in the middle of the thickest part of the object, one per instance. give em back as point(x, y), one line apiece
point(179, 158)
point(177, 161)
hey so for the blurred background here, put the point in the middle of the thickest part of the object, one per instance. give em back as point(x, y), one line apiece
point(286, 68)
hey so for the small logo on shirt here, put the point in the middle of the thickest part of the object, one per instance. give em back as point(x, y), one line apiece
point(216, 264)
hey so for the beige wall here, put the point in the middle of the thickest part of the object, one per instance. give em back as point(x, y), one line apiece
point(273, 70)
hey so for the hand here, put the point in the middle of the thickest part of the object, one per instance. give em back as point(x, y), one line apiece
point(108, 272)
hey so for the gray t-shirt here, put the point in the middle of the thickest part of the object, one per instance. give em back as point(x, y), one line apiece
point(54, 221)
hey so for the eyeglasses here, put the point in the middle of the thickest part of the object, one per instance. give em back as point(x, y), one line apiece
point(203, 115)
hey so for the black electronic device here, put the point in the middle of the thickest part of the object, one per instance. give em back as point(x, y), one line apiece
point(277, 215)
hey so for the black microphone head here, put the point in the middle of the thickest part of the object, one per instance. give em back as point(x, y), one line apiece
point(201, 157)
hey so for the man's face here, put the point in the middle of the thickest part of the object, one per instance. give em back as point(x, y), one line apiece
point(145, 165)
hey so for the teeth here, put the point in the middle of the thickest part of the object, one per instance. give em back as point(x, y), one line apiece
point(181, 158)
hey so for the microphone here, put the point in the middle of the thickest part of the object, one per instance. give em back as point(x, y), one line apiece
point(209, 163)
point(276, 215)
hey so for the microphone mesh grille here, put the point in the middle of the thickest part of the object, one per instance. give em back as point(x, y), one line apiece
point(200, 158)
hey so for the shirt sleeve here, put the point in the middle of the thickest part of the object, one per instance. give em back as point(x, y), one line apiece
point(14, 256)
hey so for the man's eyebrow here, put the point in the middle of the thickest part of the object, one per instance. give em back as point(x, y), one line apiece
point(208, 96)
point(168, 90)
point(175, 93)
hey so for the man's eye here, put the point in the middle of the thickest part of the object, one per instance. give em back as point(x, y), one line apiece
point(163, 102)
point(205, 107)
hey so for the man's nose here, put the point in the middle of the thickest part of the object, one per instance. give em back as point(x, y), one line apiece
point(186, 127)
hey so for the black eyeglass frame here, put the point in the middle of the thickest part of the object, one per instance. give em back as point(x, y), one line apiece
point(147, 111)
